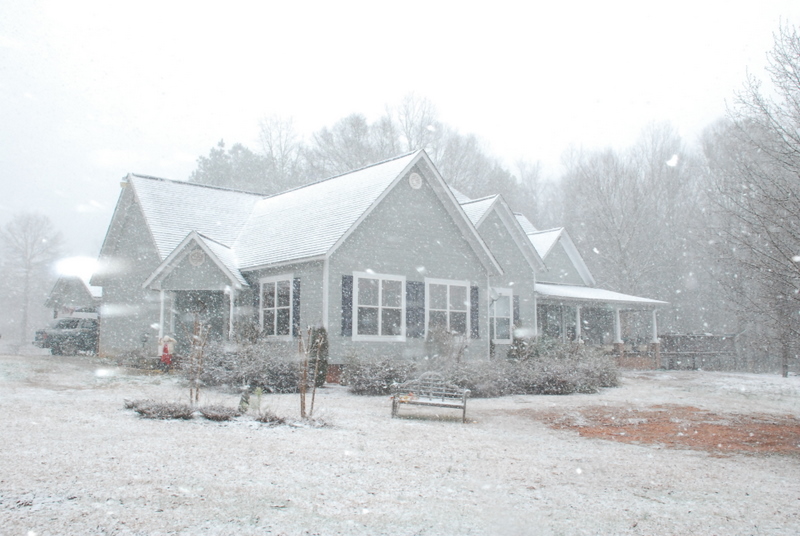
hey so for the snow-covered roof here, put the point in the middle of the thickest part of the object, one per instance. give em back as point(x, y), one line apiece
point(173, 209)
point(309, 221)
point(544, 241)
point(526, 224)
point(460, 197)
point(245, 231)
point(477, 209)
point(592, 294)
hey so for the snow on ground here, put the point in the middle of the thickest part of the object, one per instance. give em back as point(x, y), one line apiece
point(74, 461)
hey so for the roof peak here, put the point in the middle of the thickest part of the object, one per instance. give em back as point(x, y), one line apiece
point(320, 181)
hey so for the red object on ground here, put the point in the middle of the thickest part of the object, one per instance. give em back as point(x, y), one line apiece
point(166, 357)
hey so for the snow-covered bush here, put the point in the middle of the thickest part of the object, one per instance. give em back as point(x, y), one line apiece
point(543, 366)
point(375, 377)
point(218, 413)
point(252, 366)
point(151, 409)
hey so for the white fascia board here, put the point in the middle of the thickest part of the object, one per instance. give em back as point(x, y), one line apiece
point(577, 260)
point(179, 253)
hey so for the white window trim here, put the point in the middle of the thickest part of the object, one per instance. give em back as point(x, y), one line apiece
point(502, 292)
point(273, 279)
point(448, 282)
point(380, 277)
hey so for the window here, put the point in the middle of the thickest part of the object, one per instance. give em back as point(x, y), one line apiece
point(276, 306)
point(379, 307)
point(448, 305)
point(500, 315)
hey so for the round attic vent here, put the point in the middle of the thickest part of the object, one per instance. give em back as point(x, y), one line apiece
point(415, 181)
point(197, 257)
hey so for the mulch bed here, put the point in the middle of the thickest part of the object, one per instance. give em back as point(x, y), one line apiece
point(674, 426)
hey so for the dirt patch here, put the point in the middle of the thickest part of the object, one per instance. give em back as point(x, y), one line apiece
point(676, 426)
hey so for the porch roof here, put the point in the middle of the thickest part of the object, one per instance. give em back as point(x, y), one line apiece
point(593, 295)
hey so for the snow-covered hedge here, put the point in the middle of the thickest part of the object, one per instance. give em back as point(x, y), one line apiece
point(544, 367)
point(375, 377)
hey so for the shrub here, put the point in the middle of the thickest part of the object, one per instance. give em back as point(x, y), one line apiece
point(218, 413)
point(151, 409)
point(260, 365)
point(268, 417)
point(375, 377)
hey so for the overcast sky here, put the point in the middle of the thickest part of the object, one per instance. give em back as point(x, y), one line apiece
point(92, 91)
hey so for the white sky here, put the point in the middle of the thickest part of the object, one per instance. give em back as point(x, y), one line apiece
point(92, 91)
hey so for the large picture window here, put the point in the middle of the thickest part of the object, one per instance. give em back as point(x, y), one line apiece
point(379, 312)
point(448, 305)
point(276, 306)
point(500, 314)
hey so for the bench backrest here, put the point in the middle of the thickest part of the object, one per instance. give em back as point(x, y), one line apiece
point(432, 385)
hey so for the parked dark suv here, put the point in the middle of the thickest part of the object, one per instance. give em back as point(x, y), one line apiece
point(68, 336)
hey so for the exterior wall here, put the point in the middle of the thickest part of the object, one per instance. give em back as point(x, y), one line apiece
point(128, 310)
point(310, 276)
point(560, 268)
point(518, 276)
point(409, 234)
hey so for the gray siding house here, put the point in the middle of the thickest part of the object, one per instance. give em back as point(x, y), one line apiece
point(383, 257)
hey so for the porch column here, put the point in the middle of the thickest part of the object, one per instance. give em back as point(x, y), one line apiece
point(232, 298)
point(161, 314)
point(563, 325)
point(577, 323)
point(535, 315)
point(617, 327)
point(655, 347)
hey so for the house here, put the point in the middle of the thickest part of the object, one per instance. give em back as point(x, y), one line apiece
point(73, 296)
point(384, 257)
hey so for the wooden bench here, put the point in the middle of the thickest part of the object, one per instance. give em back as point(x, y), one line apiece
point(430, 389)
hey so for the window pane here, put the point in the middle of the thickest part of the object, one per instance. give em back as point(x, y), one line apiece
point(269, 295)
point(458, 298)
point(269, 322)
point(368, 291)
point(503, 328)
point(367, 321)
point(458, 323)
point(283, 325)
point(438, 296)
point(502, 307)
point(437, 319)
point(391, 322)
point(284, 293)
point(391, 293)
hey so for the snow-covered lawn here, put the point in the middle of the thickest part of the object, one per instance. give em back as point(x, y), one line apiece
point(74, 461)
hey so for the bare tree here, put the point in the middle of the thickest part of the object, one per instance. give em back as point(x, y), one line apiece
point(754, 161)
point(283, 150)
point(30, 244)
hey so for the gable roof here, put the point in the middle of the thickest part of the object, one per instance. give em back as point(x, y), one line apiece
point(173, 209)
point(308, 221)
point(221, 255)
point(477, 210)
point(246, 231)
point(545, 242)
